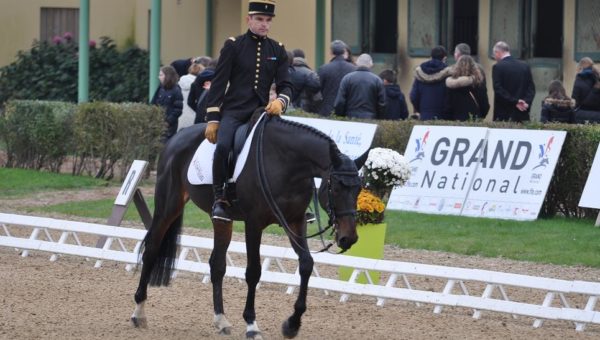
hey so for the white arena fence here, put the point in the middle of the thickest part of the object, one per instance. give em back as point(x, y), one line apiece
point(556, 292)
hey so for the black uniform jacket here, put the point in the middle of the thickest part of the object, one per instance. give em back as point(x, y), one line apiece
point(250, 64)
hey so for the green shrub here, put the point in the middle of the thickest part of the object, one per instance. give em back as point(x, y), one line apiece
point(49, 71)
point(108, 133)
point(37, 134)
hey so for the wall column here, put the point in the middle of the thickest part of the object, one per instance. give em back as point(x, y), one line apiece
point(155, 17)
point(84, 52)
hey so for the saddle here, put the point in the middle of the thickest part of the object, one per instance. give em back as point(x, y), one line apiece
point(200, 168)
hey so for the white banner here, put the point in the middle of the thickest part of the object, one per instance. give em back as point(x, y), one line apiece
point(589, 197)
point(352, 138)
point(498, 173)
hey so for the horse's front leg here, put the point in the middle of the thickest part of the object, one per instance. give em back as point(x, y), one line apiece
point(291, 326)
point(218, 264)
point(253, 271)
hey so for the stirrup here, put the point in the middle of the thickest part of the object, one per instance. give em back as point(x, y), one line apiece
point(219, 211)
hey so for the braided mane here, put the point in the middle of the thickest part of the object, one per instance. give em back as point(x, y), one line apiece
point(333, 148)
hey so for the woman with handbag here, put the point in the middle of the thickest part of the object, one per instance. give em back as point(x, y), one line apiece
point(466, 98)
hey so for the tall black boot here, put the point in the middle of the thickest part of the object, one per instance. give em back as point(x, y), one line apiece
point(221, 205)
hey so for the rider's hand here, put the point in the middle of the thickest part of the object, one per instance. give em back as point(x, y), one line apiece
point(211, 131)
point(275, 108)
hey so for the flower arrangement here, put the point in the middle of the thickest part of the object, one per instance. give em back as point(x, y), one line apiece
point(369, 208)
point(383, 170)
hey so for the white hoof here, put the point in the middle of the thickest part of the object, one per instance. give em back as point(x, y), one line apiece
point(252, 332)
point(139, 322)
point(222, 324)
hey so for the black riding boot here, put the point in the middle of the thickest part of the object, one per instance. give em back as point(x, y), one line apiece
point(221, 205)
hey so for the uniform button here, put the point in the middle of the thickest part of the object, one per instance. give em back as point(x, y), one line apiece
point(257, 59)
point(258, 49)
point(256, 81)
point(255, 87)
point(257, 65)
point(257, 53)
point(256, 74)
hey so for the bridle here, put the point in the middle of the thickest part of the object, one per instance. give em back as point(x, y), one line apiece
point(266, 191)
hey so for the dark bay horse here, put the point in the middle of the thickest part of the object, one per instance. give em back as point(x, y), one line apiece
point(292, 155)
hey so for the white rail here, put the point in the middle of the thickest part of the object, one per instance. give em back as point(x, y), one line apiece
point(554, 289)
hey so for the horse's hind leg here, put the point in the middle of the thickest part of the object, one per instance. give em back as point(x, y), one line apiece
point(253, 271)
point(291, 326)
point(218, 263)
point(160, 245)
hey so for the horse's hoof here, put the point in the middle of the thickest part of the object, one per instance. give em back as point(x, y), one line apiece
point(288, 331)
point(222, 324)
point(254, 335)
point(139, 322)
point(225, 331)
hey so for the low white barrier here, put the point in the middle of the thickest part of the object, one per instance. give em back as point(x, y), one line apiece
point(552, 288)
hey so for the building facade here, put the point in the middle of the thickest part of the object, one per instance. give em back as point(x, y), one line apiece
point(551, 35)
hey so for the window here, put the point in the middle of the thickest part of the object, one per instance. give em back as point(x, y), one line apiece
point(367, 26)
point(440, 22)
point(57, 21)
point(532, 28)
point(587, 30)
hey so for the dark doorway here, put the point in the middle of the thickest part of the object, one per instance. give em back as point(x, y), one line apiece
point(385, 26)
point(464, 28)
point(547, 40)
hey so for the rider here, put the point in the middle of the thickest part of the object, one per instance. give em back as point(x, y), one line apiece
point(250, 63)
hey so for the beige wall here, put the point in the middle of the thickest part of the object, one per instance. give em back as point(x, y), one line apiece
point(21, 22)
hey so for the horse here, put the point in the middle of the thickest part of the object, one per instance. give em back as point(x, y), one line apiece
point(284, 158)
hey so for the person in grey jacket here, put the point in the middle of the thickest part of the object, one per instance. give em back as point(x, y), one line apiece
point(361, 93)
point(306, 84)
point(331, 75)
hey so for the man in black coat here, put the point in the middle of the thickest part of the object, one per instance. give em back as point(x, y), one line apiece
point(513, 86)
point(249, 63)
point(361, 93)
point(331, 75)
point(306, 84)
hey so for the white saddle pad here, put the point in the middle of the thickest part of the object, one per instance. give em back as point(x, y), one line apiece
point(200, 170)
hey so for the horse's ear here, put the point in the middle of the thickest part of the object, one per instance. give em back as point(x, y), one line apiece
point(361, 160)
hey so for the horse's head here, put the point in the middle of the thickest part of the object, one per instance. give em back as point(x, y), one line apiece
point(338, 197)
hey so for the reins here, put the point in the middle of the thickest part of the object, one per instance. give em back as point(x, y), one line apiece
point(266, 191)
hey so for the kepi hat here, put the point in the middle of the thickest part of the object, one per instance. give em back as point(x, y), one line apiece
point(264, 7)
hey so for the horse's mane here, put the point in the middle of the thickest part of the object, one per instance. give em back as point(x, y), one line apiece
point(336, 154)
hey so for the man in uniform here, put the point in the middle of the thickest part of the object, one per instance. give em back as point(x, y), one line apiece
point(250, 63)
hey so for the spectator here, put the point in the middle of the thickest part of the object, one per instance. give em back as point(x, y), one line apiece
point(467, 96)
point(361, 93)
point(189, 113)
point(306, 93)
point(586, 89)
point(331, 75)
point(298, 53)
point(198, 87)
point(395, 103)
point(348, 55)
point(168, 95)
point(557, 106)
point(182, 66)
point(204, 80)
point(204, 61)
point(513, 86)
point(428, 91)
point(464, 49)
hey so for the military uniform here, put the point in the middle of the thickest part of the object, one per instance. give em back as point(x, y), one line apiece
point(248, 65)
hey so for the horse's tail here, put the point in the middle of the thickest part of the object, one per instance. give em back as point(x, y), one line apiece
point(166, 255)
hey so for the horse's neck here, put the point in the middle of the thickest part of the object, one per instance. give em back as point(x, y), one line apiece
point(302, 149)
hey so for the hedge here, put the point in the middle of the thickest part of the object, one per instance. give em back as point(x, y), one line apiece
point(97, 136)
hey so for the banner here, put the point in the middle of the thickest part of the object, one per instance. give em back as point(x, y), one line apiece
point(589, 197)
point(472, 171)
point(352, 138)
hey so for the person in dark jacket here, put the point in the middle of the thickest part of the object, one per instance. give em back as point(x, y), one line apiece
point(395, 103)
point(168, 95)
point(466, 98)
point(306, 85)
point(586, 89)
point(331, 75)
point(513, 86)
point(428, 91)
point(361, 93)
point(248, 65)
point(203, 81)
point(557, 106)
point(182, 66)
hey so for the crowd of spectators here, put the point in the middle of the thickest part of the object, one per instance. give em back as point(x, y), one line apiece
point(346, 86)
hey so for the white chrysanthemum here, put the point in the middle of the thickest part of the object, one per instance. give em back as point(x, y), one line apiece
point(386, 168)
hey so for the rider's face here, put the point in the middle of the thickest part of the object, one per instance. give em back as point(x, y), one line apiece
point(259, 24)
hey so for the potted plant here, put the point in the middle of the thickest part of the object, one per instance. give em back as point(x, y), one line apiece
point(383, 170)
